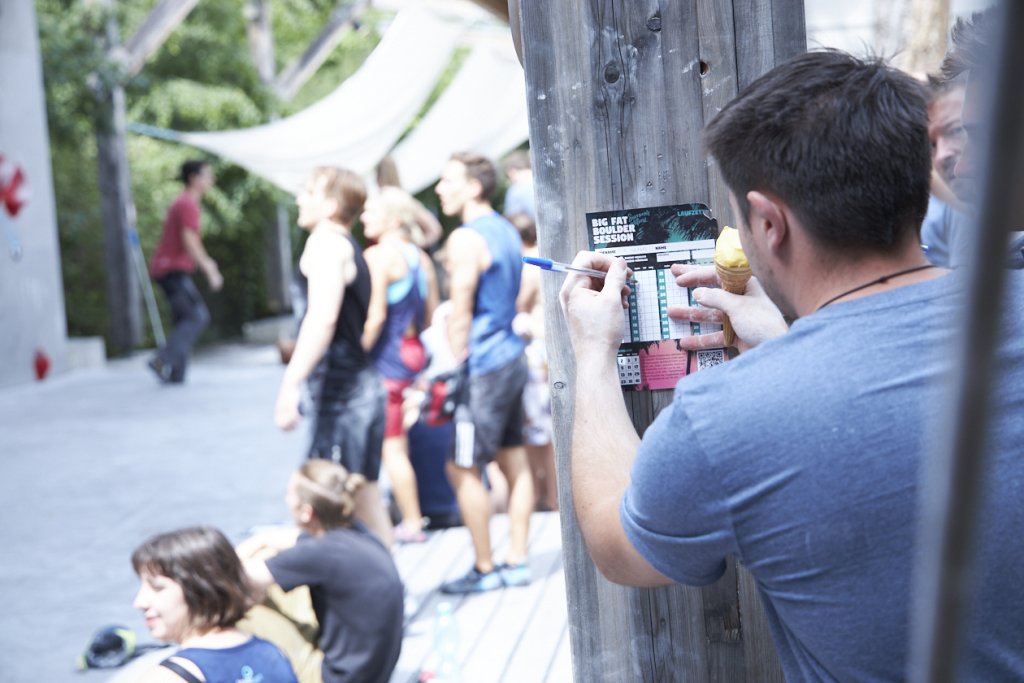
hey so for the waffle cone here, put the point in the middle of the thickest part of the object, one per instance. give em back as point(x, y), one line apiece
point(734, 281)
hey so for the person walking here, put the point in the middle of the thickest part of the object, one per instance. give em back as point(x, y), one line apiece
point(177, 255)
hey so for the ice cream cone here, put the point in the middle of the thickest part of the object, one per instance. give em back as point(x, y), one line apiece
point(734, 281)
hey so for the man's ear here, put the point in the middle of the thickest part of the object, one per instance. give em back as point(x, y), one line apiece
point(768, 216)
point(334, 207)
point(306, 513)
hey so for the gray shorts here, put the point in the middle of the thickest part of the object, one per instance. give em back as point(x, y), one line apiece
point(348, 425)
point(493, 418)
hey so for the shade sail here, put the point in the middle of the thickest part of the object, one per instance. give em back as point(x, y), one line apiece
point(360, 121)
point(482, 110)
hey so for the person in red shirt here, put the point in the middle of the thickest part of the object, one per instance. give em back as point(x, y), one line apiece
point(179, 252)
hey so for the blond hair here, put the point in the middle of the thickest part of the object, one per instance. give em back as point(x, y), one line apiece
point(330, 490)
point(345, 187)
point(400, 205)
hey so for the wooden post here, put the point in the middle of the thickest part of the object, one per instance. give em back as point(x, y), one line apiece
point(155, 29)
point(124, 303)
point(116, 205)
point(619, 91)
point(295, 75)
point(277, 251)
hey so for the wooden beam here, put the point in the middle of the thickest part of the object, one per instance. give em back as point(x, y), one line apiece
point(618, 92)
point(159, 24)
point(117, 210)
point(301, 70)
point(261, 39)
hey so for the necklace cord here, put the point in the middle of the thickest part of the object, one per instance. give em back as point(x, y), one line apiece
point(876, 281)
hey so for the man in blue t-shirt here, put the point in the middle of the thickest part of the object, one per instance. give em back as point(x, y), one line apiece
point(484, 267)
point(801, 457)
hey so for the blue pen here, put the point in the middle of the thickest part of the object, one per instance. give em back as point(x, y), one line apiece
point(559, 267)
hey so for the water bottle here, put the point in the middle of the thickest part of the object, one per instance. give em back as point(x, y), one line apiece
point(446, 646)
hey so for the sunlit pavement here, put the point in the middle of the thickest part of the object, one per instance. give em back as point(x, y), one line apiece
point(94, 461)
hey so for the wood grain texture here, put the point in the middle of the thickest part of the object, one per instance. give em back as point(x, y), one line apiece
point(617, 102)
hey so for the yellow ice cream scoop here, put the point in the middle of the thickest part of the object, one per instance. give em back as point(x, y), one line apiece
point(733, 272)
point(728, 251)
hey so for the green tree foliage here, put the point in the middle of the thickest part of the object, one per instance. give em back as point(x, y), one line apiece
point(201, 79)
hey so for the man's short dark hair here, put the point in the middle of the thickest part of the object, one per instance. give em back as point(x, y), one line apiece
point(202, 561)
point(843, 141)
point(481, 169)
point(938, 85)
point(526, 226)
point(518, 160)
point(190, 168)
point(972, 44)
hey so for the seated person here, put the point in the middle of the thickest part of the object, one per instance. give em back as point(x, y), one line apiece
point(193, 591)
point(354, 587)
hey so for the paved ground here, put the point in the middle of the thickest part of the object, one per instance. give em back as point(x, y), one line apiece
point(93, 462)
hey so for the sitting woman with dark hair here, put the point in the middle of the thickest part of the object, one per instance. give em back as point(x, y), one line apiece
point(354, 588)
point(193, 591)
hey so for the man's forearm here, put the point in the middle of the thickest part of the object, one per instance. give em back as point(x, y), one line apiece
point(196, 250)
point(458, 334)
point(604, 445)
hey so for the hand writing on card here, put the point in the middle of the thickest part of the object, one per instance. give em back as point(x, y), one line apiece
point(754, 317)
point(593, 307)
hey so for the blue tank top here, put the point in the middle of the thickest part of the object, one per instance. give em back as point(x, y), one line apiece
point(406, 301)
point(492, 343)
point(254, 660)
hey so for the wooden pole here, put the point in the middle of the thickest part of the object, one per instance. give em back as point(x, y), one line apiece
point(124, 303)
point(924, 36)
point(277, 251)
point(302, 69)
point(619, 91)
point(954, 483)
point(155, 29)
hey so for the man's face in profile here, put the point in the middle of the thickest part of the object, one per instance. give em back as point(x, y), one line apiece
point(946, 135)
point(975, 125)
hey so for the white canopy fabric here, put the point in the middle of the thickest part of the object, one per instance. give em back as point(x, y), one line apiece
point(360, 121)
point(482, 110)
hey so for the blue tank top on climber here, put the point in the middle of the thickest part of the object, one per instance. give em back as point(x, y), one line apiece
point(492, 343)
point(406, 300)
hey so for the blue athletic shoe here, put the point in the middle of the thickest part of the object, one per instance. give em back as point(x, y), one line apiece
point(475, 581)
point(514, 575)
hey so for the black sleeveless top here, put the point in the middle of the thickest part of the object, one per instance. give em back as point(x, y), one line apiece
point(345, 357)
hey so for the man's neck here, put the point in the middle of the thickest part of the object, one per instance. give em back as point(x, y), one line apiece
point(195, 192)
point(476, 209)
point(867, 276)
point(330, 225)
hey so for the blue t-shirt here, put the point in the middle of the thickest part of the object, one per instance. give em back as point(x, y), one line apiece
point(945, 235)
point(492, 343)
point(253, 661)
point(519, 199)
point(801, 458)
